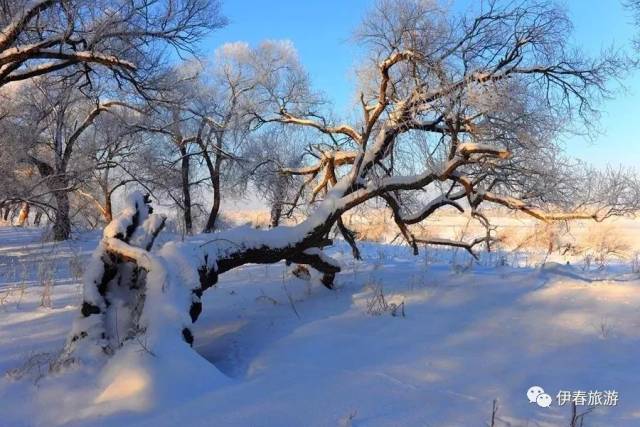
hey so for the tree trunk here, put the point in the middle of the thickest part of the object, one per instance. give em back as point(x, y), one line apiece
point(278, 199)
point(62, 221)
point(186, 190)
point(215, 208)
point(23, 216)
point(108, 208)
point(214, 174)
point(37, 219)
point(276, 213)
point(350, 237)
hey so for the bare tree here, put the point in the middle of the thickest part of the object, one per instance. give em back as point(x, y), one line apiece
point(58, 117)
point(456, 111)
point(228, 101)
point(81, 36)
point(17, 177)
point(230, 83)
point(634, 7)
point(86, 42)
point(174, 122)
point(115, 156)
point(274, 151)
point(207, 117)
point(267, 153)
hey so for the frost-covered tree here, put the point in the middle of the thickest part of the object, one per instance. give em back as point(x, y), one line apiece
point(117, 155)
point(457, 111)
point(224, 89)
point(176, 126)
point(209, 114)
point(230, 101)
point(634, 7)
point(125, 37)
point(53, 118)
point(86, 42)
point(19, 181)
point(270, 152)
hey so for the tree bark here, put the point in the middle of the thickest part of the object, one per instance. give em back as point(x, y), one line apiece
point(214, 173)
point(24, 214)
point(37, 219)
point(215, 207)
point(108, 208)
point(350, 237)
point(278, 199)
point(186, 190)
point(276, 213)
point(62, 221)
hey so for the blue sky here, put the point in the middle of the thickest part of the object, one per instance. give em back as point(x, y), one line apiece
point(321, 32)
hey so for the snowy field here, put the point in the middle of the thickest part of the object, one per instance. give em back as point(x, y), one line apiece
point(431, 340)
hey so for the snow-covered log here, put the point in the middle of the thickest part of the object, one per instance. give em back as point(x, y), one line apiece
point(131, 294)
point(114, 285)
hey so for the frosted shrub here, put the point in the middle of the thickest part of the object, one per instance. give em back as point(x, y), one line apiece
point(600, 245)
point(46, 275)
point(635, 263)
point(76, 266)
point(377, 303)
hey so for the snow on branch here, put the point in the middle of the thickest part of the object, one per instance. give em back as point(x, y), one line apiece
point(123, 42)
point(12, 30)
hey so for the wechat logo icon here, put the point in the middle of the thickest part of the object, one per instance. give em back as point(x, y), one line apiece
point(537, 395)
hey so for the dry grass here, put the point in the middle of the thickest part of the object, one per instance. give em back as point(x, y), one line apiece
point(606, 240)
point(253, 218)
point(617, 238)
point(35, 366)
point(377, 303)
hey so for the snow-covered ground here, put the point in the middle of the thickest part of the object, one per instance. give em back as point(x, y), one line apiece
point(283, 351)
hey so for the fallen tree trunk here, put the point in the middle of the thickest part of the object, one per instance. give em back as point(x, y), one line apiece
point(132, 294)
